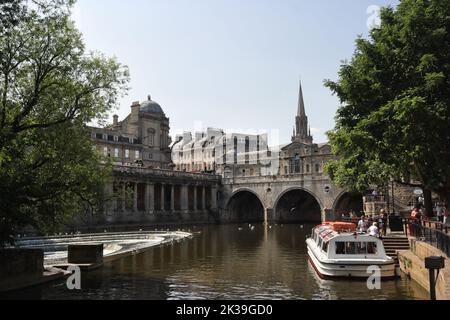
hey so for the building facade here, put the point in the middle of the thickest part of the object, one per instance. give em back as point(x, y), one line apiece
point(222, 153)
point(141, 139)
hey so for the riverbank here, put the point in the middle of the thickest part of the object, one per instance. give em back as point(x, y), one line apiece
point(412, 263)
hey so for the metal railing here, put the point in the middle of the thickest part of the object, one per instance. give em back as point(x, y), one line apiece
point(433, 233)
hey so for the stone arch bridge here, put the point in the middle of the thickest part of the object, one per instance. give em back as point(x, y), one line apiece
point(151, 196)
point(285, 199)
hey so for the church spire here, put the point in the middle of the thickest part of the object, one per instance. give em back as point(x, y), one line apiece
point(301, 103)
point(302, 129)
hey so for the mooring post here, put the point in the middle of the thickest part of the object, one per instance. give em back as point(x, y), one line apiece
point(432, 264)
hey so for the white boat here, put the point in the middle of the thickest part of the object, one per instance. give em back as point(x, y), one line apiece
point(336, 250)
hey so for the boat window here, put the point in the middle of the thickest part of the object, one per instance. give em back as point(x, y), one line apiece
point(372, 248)
point(320, 242)
point(340, 247)
point(361, 248)
point(350, 248)
point(325, 247)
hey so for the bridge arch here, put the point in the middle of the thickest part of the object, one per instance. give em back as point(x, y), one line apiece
point(245, 205)
point(296, 205)
point(348, 201)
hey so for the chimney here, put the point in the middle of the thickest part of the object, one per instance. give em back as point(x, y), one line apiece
point(115, 120)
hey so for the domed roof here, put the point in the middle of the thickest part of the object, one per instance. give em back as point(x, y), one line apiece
point(150, 106)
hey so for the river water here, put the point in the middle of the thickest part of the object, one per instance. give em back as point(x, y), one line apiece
point(222, 262)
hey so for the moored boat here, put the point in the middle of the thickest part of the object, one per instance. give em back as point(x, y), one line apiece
point(336, 250)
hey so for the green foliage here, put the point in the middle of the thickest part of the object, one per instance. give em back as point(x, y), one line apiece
point(394, 119)
point(50, 89)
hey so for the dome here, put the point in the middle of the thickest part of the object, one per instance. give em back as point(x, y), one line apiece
point(150, 106)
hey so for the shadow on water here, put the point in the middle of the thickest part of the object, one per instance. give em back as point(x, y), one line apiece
point(222, 262)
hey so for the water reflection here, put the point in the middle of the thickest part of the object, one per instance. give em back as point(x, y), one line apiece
point(223, 262)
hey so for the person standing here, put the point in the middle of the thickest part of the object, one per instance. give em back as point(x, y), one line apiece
point(362, 225)
point(382, 222)
point(446, 215)
point(374, 231)
point(440, 212)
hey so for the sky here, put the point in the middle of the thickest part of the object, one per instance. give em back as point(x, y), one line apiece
point(230, 64)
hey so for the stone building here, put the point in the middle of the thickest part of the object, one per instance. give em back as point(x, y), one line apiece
point(222, 153)
point(140, 139)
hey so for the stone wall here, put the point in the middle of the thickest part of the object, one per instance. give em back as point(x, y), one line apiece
point(412, 262)
point(19, 268)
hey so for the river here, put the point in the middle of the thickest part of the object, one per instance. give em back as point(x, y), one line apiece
point(221, 263)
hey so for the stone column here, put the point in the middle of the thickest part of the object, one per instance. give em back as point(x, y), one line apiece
point(110, 204)
point(172, 198)
point(214, 198)
point(124, 196)
point(151, 203)
point(163, 198)
point(184, 201)
point(195, 198)
point(135, 198)
point(203, 198)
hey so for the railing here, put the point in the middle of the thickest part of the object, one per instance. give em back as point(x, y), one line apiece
point(434, 233)
point(165, 173)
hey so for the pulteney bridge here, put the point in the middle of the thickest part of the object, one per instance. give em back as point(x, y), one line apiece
point(151, 196)
point(285, 199)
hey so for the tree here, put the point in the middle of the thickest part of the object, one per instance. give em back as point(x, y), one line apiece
point(50, 89)
point(394, 119)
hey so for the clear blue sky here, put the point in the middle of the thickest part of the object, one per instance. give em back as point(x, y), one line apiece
point(230, 64)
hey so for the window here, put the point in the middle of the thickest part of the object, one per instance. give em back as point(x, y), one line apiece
point(320, 242)
point(116, 139)
point(105, 137)
point(307, 168)
point(137, 154)
point(105, 151)
point(340, 247)
point(317, 168)
point(151, 139)
point(116, 152)
point(150, 156)
point(372, 248)
point(131, 140)
point(325, 247)
point(127, 154)
point(297, 163)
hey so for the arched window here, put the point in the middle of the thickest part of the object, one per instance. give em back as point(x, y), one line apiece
point(297, 164)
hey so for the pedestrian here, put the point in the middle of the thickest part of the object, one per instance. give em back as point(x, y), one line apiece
point(374, 231)
point(362, 225)
point(440, 212)
point(382, 222)
point(446, 215)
